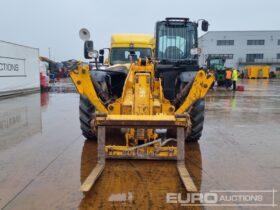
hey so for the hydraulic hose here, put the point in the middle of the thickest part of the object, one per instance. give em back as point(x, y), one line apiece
point(103, 95)
point(180, 97)
point(151, 143)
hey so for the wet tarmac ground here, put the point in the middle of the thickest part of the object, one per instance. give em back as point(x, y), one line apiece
point(44, 158)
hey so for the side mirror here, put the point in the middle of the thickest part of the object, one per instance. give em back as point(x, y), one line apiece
point(101, 52)
point(88, 49)
point(101, 56)
point(204, 25)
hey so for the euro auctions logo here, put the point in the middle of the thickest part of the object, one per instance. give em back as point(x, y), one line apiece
point(11, 67)
point(262, 198)
point(192, 198)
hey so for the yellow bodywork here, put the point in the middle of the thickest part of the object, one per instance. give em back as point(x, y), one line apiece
point(143, 101)
point(142, 94)
point(137, 40)
point(82, 80)
point(199, 89)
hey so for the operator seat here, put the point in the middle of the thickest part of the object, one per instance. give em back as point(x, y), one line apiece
point(172, 52)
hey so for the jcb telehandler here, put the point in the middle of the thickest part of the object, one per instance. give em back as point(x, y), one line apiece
point(156, 97)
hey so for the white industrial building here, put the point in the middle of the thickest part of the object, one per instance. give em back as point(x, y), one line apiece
point(19, 69)
point(242, 48)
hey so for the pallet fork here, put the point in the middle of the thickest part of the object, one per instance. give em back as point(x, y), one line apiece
point(103, 155)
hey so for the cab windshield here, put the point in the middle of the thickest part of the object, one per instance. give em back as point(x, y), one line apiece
point(175, 41)
point(122, 55)
point(217, 64)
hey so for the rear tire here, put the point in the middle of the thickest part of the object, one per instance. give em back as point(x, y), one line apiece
point(86, 111)
point(197, 118)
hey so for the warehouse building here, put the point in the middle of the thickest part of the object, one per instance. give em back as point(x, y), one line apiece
point(242, 48)
point(19, 69)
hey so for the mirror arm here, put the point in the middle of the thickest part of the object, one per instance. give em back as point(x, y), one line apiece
point(95, 59)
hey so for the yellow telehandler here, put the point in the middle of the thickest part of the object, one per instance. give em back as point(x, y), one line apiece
point(158, 102)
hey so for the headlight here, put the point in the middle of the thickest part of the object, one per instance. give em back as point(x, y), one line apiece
point(93, 54)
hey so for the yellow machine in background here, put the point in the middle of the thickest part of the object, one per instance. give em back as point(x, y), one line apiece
point(121, 44)
point(132, 40)
point(258, 72)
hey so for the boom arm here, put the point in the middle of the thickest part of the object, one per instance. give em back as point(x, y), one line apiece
point(199, 89)
point(82, 80)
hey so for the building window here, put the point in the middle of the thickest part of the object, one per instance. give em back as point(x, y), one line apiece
point(252, 57)
point(225, 56)
point(277, 68)
point(278, 41)
point(225, 42)
point(255, 42)
point(278, 56)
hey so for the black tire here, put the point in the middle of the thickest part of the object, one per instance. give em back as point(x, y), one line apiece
point(197, 118)
point(86, 111)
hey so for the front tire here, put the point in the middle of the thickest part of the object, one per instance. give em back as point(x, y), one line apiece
point(197, 119)
point(86, 111)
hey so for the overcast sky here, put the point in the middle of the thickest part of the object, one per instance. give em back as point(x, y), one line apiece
point(55, 23)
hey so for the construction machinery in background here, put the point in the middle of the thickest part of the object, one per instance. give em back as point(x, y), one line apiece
point(216, 65)
point(119, 54)
point(257, 72)
point(121, 47)
point(55, 70)
point(159, 94)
